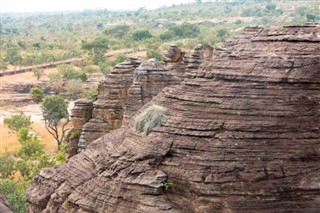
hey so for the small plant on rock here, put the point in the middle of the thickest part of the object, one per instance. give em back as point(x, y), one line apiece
point(153, 117)
point(167, 185)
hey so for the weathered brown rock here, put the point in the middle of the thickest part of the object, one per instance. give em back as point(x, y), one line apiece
point(149, 79)
point(108, 109)
point(81, 113)
point(199, 55)
point(4, 205)
point(241, 136)
point(174, 54)
point(186, 63)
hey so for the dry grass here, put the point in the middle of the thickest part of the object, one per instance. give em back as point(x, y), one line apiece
point(150, 119)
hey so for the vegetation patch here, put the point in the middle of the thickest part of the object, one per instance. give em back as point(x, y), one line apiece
point(152, 118)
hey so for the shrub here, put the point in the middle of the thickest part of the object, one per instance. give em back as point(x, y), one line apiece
point(16, 122)
point(105, 68)
point(69, 72)
point(74, 87)
point(90, 69)
point(91, 94)
point(153, 117)
point(56, 82)
point(154, 54)
point(37, 94)
point(31, 147)
point(139, 35)
point(119, 58)
point(117, 31)
point(15, 192)
point(38, 73)
point(6, 166)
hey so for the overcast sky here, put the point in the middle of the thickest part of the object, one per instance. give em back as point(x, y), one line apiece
point(61, 5)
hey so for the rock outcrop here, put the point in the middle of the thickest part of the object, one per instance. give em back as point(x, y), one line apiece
point(4, 205)
point(107, 111)
point(241, 136)
point(127, 88)
point(181, 64)
point(149, 79)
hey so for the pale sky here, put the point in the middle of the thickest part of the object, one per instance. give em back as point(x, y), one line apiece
point(61, 5)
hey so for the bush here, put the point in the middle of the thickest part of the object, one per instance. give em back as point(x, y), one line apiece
point(74, 87)
point(117, 31)
point(90, 69)
point(91, 94)
point(38, 73)
point(185, 30)
point(6, 166)
point(153, 117)
point(56, 82)
point(15, 192)
point(31, 147)
point(16, 122)
point(154, 54)
point(69, 72)
point(37, 94)
point(119, 58)
point(139, 35)
point(105, 68)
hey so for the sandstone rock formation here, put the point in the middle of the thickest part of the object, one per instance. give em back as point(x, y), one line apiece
point(108, 109)
point(4, 205)
point(149, 79)
point(241, 136)
point(173, 59)
point(129, 86)
point(181, 64)
point(81, 114)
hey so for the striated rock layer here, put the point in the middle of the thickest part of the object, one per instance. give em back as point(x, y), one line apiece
point(241, 136)
point(4, 205)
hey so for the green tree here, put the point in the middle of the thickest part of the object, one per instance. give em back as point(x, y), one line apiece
point(69, 72)
point(37, 93)
point(18, 121)
point(139, 35)
point(38, 73)
point(117, 31)
point(56, 116)
point(31, 147)
point(13, 56)
point(185, 30)
point(96, 48)
point(6, 166)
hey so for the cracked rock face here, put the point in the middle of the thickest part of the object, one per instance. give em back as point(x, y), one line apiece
point(4, 205)
point(241, 136)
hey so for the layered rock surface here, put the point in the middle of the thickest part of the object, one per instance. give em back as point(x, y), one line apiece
point(241, 136)
point(127, 88)
point(4, 205)
point(181, 64)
